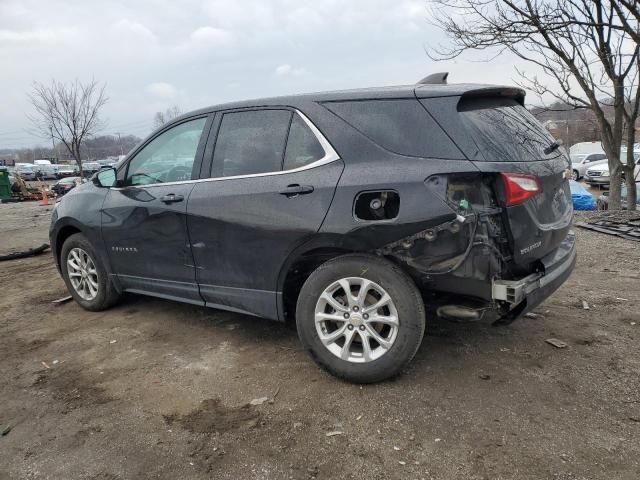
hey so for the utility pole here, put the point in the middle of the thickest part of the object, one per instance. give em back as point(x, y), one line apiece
point(120, 143)
point(53, 145)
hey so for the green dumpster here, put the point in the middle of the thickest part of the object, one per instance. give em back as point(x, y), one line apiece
point(5, 184)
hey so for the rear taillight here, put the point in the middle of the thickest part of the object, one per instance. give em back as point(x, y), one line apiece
point(519, 187)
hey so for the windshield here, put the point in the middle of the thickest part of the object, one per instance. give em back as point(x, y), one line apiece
point(505, 131)
point(577, 158)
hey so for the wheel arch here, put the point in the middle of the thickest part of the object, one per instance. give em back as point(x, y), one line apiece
point(67, 227)
point(310, 255)
point(62, 233)
point(301, 263)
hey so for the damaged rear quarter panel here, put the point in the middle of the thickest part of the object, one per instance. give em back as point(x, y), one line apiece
point(420, 207)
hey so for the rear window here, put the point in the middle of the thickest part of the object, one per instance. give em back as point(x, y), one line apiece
point(504, 131)
point(401, 126)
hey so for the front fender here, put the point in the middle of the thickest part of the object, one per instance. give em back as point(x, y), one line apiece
point(80, 211)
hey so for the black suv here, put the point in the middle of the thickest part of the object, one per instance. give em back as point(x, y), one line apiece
point(358, 213)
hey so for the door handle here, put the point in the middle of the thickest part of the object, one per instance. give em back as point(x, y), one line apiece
point(295, 190)
point(172, 198)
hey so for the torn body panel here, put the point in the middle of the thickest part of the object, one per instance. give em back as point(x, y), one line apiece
point(467, 263)
point(462, 257)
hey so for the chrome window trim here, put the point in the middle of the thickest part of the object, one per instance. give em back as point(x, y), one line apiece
point(330, 155)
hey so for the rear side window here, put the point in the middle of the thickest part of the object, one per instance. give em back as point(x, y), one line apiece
point(504, 131)
point(401, 126)
point(303, 147)
point(251, 142)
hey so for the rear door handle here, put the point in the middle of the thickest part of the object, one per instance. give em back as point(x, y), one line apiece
point(295, 190)
point(172, 198)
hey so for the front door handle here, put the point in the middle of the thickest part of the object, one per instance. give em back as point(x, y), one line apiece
point(295, 190)
point(172, 198)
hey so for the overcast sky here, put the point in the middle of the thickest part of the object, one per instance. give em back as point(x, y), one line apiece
point(153, 54)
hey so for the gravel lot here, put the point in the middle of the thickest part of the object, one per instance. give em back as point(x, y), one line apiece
point(154, 389)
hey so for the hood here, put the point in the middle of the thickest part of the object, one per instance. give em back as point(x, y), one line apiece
point(603, 167)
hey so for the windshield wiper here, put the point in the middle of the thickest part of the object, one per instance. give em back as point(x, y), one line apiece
point(553, 147)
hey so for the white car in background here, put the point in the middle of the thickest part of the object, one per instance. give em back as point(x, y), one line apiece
point(580, 162)
point(600, 175)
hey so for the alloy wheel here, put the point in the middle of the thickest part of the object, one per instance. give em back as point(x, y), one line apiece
point(356, 320)
point(82, 273)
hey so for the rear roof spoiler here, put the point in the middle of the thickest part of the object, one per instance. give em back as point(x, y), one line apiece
point(516, 94)
point(470, 90)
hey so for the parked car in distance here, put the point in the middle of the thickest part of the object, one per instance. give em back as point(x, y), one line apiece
point(586, 147)
point(46, 172)
point(599, 175)
point(27, 171)
point(106, 163)
point(65, 185)
point(89, 168)
point(603, 200)
point(581, 161)
point(66, 170)
point(341, 210)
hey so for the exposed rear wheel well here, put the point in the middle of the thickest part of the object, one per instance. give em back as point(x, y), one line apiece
point(63, 234)
point(298, 273)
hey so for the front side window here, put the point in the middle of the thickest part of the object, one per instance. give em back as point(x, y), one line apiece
point(169, 157)
point(251, 142)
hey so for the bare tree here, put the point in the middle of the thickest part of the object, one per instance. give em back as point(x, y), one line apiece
point(68, 112)
point(160, 118)
point(588, 51)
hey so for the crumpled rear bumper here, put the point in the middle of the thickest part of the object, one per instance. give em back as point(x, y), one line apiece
point(526, 293)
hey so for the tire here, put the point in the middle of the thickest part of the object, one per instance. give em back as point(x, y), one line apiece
point(575, 175)
point(399, 341)
point(105, 293)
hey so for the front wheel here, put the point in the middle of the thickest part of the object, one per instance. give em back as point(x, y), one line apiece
point(360, 317)
point(575, 175)
point(84, 274)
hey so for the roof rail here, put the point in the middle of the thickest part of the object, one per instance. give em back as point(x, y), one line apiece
point(435, 79)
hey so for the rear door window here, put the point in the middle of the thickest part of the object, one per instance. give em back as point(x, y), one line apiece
point(401, 126)
point(505, 131)
point(251, 142)
point(303, 147)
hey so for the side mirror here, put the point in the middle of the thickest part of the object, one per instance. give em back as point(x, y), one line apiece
point(105, 178)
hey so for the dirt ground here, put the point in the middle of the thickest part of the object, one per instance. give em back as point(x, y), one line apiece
point(154, 389)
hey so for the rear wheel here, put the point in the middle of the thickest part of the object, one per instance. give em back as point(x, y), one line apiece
point(85, 276)
point(360, 317)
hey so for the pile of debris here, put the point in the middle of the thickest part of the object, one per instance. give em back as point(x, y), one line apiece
point(21, 191)
point(629, 229)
